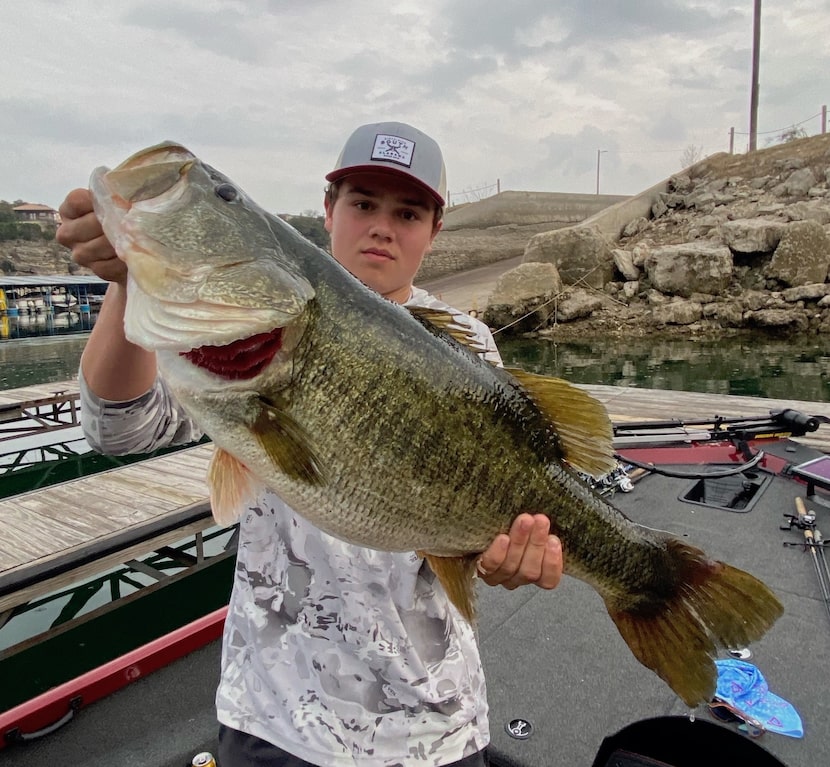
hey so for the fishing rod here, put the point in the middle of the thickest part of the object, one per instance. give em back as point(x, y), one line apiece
point(782, 422)
point(805, 521)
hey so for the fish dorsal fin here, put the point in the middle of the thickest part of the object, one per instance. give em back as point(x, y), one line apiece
point(456, 576)
point(287, 444)
point(582, 423)
point(231, 484)
point(448, 323)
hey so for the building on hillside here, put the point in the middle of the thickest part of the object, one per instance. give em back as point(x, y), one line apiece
point(35, 213)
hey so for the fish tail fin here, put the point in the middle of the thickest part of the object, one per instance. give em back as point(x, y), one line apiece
point(714, 605)
point(456, 576)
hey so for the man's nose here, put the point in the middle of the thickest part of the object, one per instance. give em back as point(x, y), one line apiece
point(382, 225)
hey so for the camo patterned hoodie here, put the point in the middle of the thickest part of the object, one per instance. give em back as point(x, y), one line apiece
point(333, 652)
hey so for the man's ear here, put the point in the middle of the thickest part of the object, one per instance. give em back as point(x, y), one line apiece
point(435, 229)
point(328, 207)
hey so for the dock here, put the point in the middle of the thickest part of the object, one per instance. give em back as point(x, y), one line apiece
point(119, 513)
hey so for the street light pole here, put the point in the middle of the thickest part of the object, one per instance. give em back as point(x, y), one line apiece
point(599, 152)
point(753, 98)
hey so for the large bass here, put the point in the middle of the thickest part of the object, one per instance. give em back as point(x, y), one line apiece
point(380, 425)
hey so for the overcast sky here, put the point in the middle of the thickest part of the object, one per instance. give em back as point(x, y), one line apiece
point(524, 91)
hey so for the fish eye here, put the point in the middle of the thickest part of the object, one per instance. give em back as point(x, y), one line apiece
point(227, 192)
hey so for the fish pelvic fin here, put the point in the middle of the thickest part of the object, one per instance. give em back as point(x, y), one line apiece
point(231, 484)
point(287, 445)
point(456, 576)
point(581, 421)
point(714, 606)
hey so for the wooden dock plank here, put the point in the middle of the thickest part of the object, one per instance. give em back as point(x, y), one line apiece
point(37, 391)
point(45, 523)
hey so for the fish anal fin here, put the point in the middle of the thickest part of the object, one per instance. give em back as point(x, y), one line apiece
point(714, 606)
point(448, 323)
point(287, 445)
point(580, 420)
point(231, 484)
point(456, 576)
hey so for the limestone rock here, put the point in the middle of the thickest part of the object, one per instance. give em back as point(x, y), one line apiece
point(751, 235)
point(634, 227)
point(815, 210)
point(677, 313)
point(690, 268)
point(577, 304)
point(799, 183)
point(778, 318)
point(725, 314)
point(812, 292)
point(524, 292)
point(580, 254)
point(802, 255)
point(624, 262)
point(631, 289)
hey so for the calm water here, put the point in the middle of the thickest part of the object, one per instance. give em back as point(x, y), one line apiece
point(750, 367)
point(30, 361)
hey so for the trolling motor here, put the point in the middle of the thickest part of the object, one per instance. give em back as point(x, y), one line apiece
point(797, 422)
point(805, 521)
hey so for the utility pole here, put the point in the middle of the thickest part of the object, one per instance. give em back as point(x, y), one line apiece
point(753, 103)
point(599, 152)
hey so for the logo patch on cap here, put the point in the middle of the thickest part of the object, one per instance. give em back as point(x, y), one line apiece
point(393, 149)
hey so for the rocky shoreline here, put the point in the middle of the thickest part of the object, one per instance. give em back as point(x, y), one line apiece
point(735, 244)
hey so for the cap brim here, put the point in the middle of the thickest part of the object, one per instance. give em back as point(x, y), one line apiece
point(340, 173)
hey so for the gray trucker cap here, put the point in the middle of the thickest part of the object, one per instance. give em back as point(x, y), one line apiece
point(396, 148)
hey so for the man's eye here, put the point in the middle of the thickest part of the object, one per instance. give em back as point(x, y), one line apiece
point(227, 192)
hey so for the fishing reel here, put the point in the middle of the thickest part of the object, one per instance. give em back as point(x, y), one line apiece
point(806, 522)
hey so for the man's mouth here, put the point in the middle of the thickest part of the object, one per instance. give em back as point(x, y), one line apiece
point(378, 253)
point(241, 359)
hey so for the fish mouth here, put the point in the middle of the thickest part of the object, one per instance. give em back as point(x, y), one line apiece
point(239, 360)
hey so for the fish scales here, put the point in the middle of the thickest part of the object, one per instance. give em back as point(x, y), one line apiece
point(381, 425)
point(406, 419)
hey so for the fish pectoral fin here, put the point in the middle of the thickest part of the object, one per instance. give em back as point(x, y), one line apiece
point(580, 420)
point(231, 483)
point(441, 321)
point(288, 445)
point(713, 606)
point(456, 576)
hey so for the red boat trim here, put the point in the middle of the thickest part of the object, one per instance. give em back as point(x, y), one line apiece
point(61, 702)
point(700, 453)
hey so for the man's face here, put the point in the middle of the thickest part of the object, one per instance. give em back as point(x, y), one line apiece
point(381, 227)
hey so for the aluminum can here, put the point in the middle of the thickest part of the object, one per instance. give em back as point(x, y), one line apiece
point(205, 759)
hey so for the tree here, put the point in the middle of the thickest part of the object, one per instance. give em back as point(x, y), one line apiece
point(6, 212)
point(791, 134)
point(312, 227)
point(691, 155)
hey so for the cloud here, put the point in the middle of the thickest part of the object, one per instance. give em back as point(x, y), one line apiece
point(525, 92)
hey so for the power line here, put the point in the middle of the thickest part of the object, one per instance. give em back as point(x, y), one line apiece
point(779, 130)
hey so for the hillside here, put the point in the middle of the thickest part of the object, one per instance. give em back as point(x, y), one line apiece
point(736, 242)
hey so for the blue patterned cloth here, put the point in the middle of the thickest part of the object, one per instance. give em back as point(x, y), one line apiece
point(742, 686)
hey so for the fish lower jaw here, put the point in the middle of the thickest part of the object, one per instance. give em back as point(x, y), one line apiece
point(242, 359)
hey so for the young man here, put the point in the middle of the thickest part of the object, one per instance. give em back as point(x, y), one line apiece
point(333, 654)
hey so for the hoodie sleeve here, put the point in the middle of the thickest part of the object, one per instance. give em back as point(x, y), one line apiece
point(141, 425)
